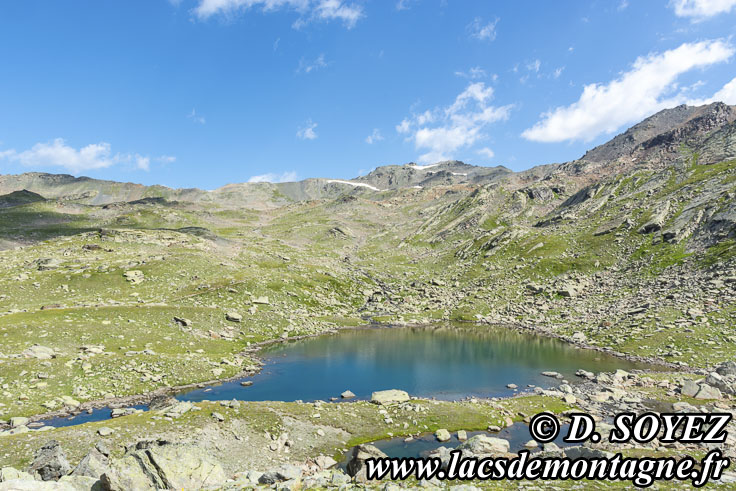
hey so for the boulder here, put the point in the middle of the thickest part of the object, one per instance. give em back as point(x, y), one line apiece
point(162, 465)
point(442, 435)
point(39, 352)
point(356, 465)
point(10, 474)
point(689, 388)
point(726, 368)
point(94, 464)
point(18, 421)
point(283, 473)
point(234, 317)
point(261, 300)
point(708, 392)
point(50, 462)
point(485, 445)
point(347, 394)
point(134, 277)
point(392, 396)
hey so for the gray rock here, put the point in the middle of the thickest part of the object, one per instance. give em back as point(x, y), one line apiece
point(356, 464)
point(10, 474)
point(442, 435)
point(392, 396)
point(161, 465)
point(726, 368)
point(283, 473)
point(347, 395)
point(485, 445)
point(39, 352)
point(708, 392)
point(586, 453)
point(234, 317)
point(689, 388)
point(50, 462)
point(18, 421)
point(94, 464)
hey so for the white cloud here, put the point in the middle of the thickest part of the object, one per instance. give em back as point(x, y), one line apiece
point(196, 117)
point(58, 154)
point(558, 72)
point(698, 10)
point(374, 137)
point(649, 86)
point(485, 31)
point(442, 131)
point(473, 74)
point(143, 163)
point(404, 4)
point(534, 66)
point(289, 176)
point(166, 159)
point(308, 67)
point(325, 10)
point(486, 152)
point(727, 95)
point(307, 132)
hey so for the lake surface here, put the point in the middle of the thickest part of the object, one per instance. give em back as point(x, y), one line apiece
point(443, 362)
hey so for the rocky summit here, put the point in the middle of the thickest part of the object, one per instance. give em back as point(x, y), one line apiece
point(116, 296)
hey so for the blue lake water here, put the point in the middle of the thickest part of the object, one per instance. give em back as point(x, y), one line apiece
point(444, 362)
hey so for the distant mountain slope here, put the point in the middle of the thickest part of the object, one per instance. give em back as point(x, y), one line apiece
point(706, 134)
point(660, 136)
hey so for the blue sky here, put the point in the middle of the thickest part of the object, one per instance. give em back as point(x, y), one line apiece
point(200, 93)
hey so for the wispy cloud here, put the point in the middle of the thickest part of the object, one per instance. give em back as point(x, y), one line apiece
point(374, 137)
point(486, 152)
point(727, 94)
point(404, 4)
point(289, 176)
point(698, 10)
point(649, 86)
point(310, 66)
point(473, 73)
point(196, 117)
point(480, 29)
point(57, 153)
point(310, 10)
point(440, 132)
point(307, 132)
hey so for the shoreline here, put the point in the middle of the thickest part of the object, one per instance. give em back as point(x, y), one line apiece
point(254, 352)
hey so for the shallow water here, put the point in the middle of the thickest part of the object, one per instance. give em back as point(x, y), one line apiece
point(443, 362)
point(516, 434)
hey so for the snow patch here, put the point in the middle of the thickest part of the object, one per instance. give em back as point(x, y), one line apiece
point(356, 184)
point(459, 174)
point(421, 167)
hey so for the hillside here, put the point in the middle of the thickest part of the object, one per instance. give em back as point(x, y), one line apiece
point(630, 250)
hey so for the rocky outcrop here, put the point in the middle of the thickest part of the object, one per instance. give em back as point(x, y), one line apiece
point(161, 465)
point(50, 463)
